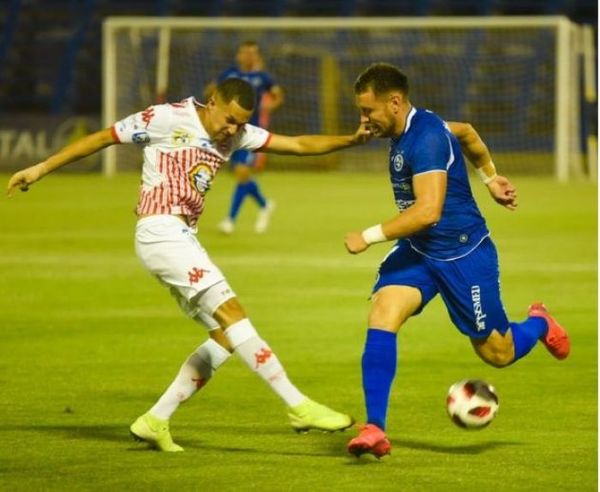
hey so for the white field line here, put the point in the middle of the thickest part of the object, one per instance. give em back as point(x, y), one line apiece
point(247, 261)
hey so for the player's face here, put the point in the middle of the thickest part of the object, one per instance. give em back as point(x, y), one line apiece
point(225, 119)
point(248, 58)
point(377, 113)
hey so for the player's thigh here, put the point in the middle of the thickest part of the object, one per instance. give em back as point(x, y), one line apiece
point(242, 162)
point(392, 305)
point(470, 288)
point(170, 251)
point(402, 288)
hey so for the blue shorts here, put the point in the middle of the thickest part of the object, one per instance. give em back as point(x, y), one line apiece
point(242, 158)
point(469, 286)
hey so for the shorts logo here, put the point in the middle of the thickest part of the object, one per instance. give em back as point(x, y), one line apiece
point(195, 274)
point(398, 162)
point(477, 308)
point(140, 138)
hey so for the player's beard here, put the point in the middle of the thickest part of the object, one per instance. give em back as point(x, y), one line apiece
point(379, 132)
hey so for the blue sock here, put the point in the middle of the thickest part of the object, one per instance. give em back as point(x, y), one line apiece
point(526, 334)
point(241, 191)
point(254, 192)
point(378, 370)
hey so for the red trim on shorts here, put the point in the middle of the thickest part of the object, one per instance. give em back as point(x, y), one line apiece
point(114, 135)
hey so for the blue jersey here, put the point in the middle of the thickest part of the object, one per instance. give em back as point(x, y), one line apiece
point(427, 145)
point(261, 81)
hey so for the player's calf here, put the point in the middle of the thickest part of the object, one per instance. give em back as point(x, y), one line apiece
point(496, 350)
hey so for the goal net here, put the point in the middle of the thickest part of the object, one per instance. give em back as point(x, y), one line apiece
point(516, 79)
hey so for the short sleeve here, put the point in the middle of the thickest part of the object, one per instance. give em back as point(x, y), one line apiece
point(253, 137)
point(144, 127)
point(432, 152)
point(268, 83)
point(228, 74)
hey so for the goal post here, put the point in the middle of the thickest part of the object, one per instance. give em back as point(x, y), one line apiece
point(516, 79)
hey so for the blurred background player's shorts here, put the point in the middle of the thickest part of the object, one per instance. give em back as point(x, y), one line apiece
point(243, 158)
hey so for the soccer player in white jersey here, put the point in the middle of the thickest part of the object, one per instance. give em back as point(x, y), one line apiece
point(184, 145)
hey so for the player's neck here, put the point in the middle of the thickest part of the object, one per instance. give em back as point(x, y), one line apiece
point(402, 119)
point(203, 117)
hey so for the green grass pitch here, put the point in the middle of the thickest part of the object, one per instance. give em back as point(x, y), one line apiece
point(89, 341)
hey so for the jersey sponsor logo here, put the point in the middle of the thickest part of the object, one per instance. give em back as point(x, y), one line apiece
point(262, 356)
point(477, 308)
point(398, 162)
point(181, 137)
point(147, 116)
point(196, 274)
point(140, 138)
point(404, 204)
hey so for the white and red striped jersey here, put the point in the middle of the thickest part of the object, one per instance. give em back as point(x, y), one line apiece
point(179, 156)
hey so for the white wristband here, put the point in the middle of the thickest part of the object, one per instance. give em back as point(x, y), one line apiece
point(374, 235)
point(487, 179)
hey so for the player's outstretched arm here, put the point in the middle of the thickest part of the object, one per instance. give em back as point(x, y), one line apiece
point(73, 152)
point(315, 144)
point(430, 193)
point(474, 148)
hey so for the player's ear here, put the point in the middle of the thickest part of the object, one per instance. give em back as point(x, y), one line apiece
point(395, 100)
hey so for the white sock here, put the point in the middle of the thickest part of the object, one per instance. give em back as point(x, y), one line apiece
point(193, 375)
point(255, 352)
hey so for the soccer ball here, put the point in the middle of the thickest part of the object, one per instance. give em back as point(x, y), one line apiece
point(472, 404)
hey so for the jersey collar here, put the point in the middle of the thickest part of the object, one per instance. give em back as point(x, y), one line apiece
point(409, 118)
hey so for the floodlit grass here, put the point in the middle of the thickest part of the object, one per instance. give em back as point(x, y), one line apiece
point(89, 341)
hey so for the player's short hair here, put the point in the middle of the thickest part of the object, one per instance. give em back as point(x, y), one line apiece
point(237, 90)
point(381, 78)
point(250, 43)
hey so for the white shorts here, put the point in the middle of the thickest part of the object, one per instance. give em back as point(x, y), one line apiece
point(169, 250)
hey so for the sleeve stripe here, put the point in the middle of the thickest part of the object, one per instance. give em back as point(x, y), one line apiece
point(431, 171)
point(266, 144)
point(114, 134)
point(451, 158)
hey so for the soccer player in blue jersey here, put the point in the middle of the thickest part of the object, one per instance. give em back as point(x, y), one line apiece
point(250, 67)
point(442, 246)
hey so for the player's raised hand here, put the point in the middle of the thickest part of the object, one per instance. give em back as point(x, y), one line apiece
point(25, 178)
point(363, 134)
point(503, 192)
point(355, 243)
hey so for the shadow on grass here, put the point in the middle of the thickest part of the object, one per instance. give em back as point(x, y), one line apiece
point(120, 433)
point(467, 449)
point(478, 448)
point(102, 432)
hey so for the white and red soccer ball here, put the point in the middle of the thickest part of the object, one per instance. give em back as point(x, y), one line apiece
point(472, 403)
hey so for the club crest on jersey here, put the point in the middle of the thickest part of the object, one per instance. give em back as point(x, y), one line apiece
point(398, 162)
point(181, 137)
point(200, 177)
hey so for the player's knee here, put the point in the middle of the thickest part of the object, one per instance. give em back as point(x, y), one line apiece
point(500, 359)
point(230, 312)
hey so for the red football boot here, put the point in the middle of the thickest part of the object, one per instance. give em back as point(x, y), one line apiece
point(370, 440)
point(556, 339)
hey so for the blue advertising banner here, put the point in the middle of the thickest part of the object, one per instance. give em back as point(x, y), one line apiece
point(28, 139)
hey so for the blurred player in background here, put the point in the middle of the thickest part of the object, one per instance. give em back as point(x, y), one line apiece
point(250, 67)
point(443, 246)
point(184, 145)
